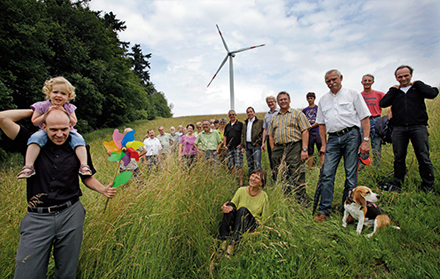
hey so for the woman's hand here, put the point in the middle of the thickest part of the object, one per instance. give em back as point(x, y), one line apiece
point(227, 208)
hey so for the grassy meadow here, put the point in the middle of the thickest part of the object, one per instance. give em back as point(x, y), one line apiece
point(166, 226)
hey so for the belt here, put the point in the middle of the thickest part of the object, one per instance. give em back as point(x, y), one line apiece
point(372, 117)
point(342, 132)
point(53, 209)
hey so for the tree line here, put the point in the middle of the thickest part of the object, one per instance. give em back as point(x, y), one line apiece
point(44, 39)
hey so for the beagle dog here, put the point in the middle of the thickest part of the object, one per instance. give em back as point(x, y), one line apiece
point(360, 204)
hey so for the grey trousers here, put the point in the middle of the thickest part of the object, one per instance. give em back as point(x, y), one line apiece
point(287, 161)
point(39, 232)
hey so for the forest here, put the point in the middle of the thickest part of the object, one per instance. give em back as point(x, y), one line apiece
point(44, 39)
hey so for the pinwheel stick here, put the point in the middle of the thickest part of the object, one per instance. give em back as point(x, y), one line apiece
point(114, 177)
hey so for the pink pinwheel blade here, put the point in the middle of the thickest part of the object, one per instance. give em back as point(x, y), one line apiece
point(117, 138)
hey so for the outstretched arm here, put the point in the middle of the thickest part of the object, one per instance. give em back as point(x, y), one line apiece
point(8, 119)
point(92, 183)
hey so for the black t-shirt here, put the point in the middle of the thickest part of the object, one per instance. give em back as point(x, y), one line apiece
point(56, 179)
point(233, 134)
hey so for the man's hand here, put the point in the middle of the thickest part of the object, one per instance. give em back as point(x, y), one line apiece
point(109, 191)
point(322, 150)
point(365, 147)
point(304, 155)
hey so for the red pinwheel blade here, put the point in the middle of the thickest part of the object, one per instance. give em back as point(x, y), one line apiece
point(133, 154)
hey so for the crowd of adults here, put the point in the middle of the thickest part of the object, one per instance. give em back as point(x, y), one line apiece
point(341, 125)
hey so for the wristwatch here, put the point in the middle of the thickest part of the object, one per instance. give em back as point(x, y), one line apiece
point(304, 149)
point(366, 139)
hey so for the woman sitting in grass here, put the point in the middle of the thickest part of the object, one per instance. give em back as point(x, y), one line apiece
point(244, 212)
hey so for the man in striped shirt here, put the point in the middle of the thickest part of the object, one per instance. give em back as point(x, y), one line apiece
point(289, 138)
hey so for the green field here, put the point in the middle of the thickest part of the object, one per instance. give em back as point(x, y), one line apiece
point(166, 226)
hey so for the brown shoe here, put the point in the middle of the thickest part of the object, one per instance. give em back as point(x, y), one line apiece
point(320, 217)
point(350, 219)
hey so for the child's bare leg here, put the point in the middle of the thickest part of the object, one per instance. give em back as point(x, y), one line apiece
point(81, 153)
point(31, 155)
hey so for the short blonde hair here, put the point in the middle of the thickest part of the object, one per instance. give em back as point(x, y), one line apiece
point(271, 98)
point(48, 84)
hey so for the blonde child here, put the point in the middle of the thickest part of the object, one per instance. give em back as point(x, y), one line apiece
point(59, 91)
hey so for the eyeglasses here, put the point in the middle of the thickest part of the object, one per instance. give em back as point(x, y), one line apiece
point(232, 114)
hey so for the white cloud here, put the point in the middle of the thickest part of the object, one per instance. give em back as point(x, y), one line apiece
point(303, 40)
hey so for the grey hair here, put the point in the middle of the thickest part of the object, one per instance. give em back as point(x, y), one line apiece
point(331, 71)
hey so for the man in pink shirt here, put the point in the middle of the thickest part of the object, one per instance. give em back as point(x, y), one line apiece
point(372, 98)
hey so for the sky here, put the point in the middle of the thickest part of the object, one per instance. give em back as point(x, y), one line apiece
point(303, 40)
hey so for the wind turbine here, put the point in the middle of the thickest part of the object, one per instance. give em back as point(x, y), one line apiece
point(230, 54)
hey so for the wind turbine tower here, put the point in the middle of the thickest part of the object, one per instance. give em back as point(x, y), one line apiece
point(230, 55)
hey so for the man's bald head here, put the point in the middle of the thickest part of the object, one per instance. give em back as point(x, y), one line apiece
point(56, 123)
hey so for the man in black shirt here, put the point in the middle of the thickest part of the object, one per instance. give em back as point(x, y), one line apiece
point(232, 143)
point(407, 101)
point(55, 216)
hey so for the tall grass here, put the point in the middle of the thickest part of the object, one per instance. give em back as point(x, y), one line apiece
point(166, 225)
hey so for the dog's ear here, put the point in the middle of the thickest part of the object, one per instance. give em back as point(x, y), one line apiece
point(358, 198)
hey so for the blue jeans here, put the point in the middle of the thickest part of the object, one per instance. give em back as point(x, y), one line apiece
point(375, 143)
point(253, 157)
point(376, 147)
point(40, 138)
point(346, 146)
point(418, 134)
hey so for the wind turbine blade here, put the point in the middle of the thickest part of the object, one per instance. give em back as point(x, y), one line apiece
point(221, 65)
point(224, 43)
point(246, 48)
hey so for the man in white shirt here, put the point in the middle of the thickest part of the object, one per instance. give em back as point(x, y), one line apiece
point(341, 112)
point(252, 139)
point(153, 148)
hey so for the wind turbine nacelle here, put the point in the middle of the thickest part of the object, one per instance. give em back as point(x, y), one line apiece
point(233, 55)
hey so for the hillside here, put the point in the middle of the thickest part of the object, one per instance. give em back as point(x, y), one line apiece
point(166, 226)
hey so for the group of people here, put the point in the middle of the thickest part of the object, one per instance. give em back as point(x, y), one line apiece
point(341, 125)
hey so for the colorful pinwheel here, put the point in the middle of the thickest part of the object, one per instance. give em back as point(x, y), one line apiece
point(122, 149)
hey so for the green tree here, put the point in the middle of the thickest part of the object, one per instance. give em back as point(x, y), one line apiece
point(43, 39)
point(140, 63)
